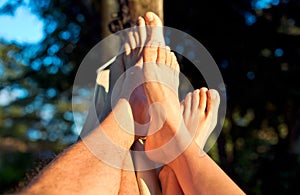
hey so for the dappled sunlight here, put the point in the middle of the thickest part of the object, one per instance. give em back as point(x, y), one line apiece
point(264, 4)
point(255, 44)
point(269, 135)
point(243, 120)
point(12, 93)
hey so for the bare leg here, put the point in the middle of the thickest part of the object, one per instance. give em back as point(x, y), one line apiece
point(199, 122)
point(199, 110)
point(84, 168)
point(79, 171)
point(133, 47)
point(155, 34)
point(147, 179)
point(129, 183)
point(162, 80)
point(201, 174)
point(169, 182)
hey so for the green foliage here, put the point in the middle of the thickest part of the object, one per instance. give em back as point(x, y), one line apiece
point(259, 144)
point(36, 84)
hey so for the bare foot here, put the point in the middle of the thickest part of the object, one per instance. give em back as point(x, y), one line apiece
point(161, 72)
point(130, 61)
point(134, 44)
point(133, 41)
point(125, 76)
point(154, 28)
point(200, 111)
point(161, 69)
point(132, 182)
point(133, 60)
point(147, 179)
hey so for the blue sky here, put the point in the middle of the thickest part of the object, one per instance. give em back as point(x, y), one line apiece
point(27, 28)
point(24, 27)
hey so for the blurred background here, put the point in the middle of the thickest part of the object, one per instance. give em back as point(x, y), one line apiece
point(255, 43)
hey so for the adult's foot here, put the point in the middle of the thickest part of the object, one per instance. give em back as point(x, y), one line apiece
point(130, 57)
point(154, 28)
point(161, 72)
point(132, 60)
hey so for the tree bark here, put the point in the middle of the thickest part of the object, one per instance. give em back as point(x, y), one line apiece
point(140, 7)
point(106, 9)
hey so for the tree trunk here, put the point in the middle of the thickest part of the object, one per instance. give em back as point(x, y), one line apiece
point(140, 7)
point(120, 11)
point(106, 9)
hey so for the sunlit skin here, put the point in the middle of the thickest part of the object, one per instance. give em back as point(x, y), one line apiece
point(79, 170)
point(133, 45)
point(137, 101)
point(148, 179)
point(199, 111)
point(169, 182)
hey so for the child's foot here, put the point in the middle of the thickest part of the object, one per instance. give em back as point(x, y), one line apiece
point(200, 111)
